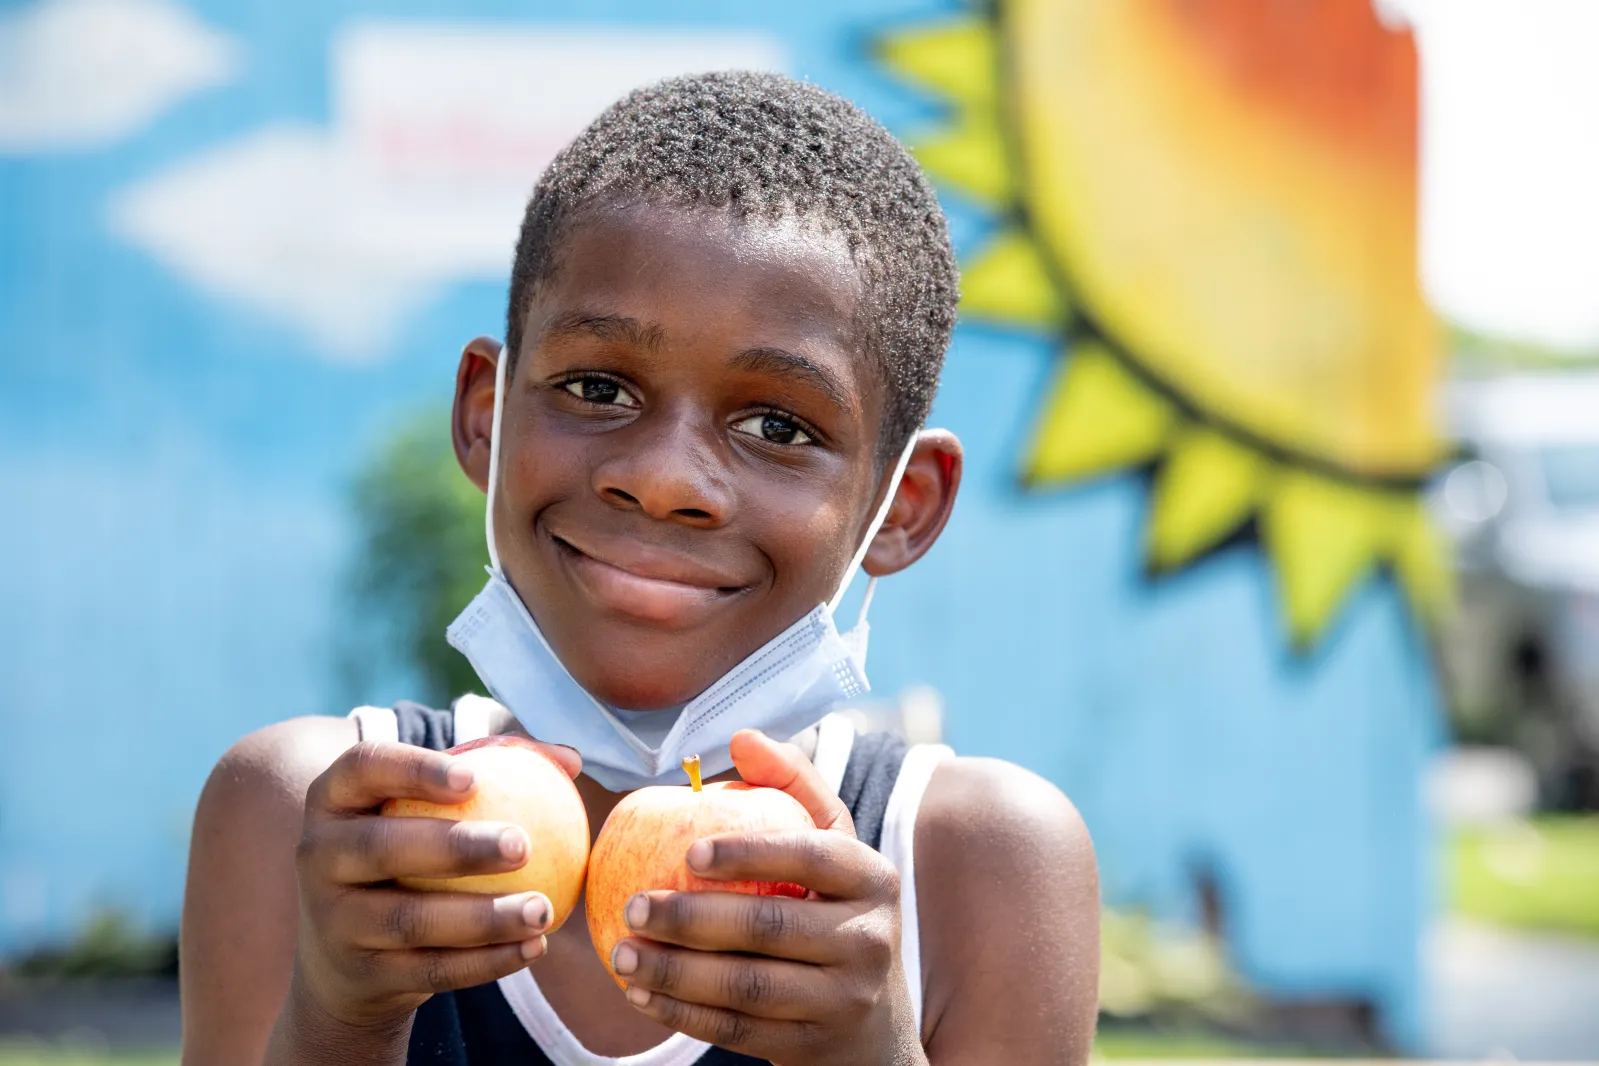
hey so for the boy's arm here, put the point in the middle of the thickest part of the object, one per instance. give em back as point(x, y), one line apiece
point(1007, 895)
point(241, 905)
point(298, 945)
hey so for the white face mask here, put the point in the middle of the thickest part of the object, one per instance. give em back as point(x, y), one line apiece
point(782, 688)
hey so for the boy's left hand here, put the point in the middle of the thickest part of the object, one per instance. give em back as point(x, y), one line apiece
point(817, 980)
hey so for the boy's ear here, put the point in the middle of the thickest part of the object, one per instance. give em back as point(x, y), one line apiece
point(472, 420)
point(921, 506)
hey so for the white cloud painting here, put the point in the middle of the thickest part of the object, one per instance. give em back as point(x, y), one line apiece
point(438, 133)
point(83, 74)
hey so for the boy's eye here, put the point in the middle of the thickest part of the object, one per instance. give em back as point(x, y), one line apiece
point(600, 390)
point(775, 428)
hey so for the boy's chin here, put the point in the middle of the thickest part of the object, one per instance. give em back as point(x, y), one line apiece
point(654, 693)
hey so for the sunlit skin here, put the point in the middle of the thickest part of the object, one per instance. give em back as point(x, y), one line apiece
point(691, 451)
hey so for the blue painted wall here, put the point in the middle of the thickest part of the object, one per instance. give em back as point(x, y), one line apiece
point(173, 525)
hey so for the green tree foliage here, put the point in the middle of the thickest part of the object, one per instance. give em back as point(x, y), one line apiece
point(1148, 970)
point(418, 561)
point(109, 946)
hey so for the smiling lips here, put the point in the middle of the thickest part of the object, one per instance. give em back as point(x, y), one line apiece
point(644, 583)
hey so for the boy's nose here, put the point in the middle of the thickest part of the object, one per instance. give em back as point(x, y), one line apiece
point(674, 474)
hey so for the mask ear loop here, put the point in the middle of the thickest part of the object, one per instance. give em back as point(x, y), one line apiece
point(494, 459)
point(488, 518)
point(866, 600)
point(871, 533)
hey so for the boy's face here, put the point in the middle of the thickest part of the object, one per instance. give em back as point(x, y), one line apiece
point(688, 447)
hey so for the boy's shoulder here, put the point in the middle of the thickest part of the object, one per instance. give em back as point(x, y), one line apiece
point(1006, 887)
point(288, 750)
point(992, 805)
point(265, 774)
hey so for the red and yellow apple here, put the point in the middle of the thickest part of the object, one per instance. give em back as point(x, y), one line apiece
point(516, 783)
point(644, 843)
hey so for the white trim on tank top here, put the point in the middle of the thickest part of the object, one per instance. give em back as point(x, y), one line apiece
point(898, 846)
point(473, 716)
point(376, 723)
point(835, 740)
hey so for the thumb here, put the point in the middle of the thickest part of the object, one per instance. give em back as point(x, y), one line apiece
point(497, 718)
point(566, 758)
point(760, 760)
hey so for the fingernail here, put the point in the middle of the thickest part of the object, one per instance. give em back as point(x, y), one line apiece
point(639, 997)
point(458, 776)
point(532, 949)
point(699, 854)
point(624, 960)
point(513, 844)
point(536, 913)
point(637, 912)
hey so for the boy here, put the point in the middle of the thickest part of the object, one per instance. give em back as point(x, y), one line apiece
point(730, 304)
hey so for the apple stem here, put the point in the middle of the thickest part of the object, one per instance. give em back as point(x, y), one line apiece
point(692, 765)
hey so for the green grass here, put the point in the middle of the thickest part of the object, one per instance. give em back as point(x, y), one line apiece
point(35, 1054)
point(1541, 875)
point(1132, 1045)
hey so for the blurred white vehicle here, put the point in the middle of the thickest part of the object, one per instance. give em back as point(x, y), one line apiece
point(1521, 658)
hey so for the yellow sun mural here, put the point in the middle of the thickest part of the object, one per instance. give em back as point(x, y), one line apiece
point(1213, 203)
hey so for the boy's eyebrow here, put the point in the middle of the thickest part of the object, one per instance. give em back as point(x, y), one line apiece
point(605, 328)
point(786, 364)
point(778, 362)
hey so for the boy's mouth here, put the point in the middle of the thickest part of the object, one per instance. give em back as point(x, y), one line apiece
point(644, 583)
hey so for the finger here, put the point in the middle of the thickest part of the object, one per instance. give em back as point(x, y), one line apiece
point(762, 988)
point(776, 926)
point(760, 760)
point(372, 848)
point(829, 863)
point(567, 758)
point(371, 772)
point(447, 969)
point(389, 918)
point(715, 1025)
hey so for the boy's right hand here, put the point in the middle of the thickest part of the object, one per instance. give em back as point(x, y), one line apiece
point(370, 952)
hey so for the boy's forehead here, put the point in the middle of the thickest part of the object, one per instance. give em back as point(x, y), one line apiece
point(643, 246)
point(680, 261)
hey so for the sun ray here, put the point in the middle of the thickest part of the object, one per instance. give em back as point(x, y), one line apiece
point(1207, 487)
point(1098, 419)
point(1421, 560)
point(969, 155)
point(956, 58)
point(1009, 281)
point(1324, 536)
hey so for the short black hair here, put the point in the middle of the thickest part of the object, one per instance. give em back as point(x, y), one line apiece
point(769, 147)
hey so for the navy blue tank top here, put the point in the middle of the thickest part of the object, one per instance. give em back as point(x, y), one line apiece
point(476, 1026)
